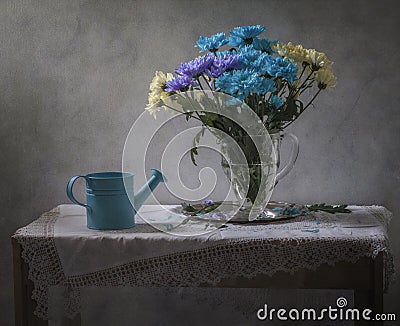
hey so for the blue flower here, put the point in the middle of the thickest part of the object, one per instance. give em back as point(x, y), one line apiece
point(208, 202)
point(263, 45)
point(276, 101)
point(266, 85)
point(248, 55)
point(254, 59)
point(236, 41)
point(212, 43)
point(179, 83)
point(222, 64)
point(227, 52)
point(245, 34)
point(262, 62)
point(241, 83)
point(196, 67)
point(279, 67)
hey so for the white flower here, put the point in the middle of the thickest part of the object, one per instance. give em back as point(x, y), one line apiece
point(318, 59)
point(325, 78)
point(157, 92)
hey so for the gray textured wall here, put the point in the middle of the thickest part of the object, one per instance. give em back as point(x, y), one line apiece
point(74, 76)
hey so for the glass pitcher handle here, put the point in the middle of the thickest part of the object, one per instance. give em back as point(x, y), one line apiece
point(292, 158)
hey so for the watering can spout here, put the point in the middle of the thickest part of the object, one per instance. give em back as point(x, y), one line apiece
point(147, 189)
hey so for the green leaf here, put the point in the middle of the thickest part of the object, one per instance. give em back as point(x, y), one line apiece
point(188, 207)
point(300, 107)
point(193, 152)
point(197, 138)
point(289, 112)
point(329, 208)
point(185, 221)
point(199, 208)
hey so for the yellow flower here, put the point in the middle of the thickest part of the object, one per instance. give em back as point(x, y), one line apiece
point(157, 92)
point(318, 59)
point(312, 60)
point(301, 55)
point(155, 102)
point(159, 80)
point(325, 78)
point(292, 52)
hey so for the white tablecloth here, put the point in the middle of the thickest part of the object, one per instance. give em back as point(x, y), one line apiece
point(62, 251)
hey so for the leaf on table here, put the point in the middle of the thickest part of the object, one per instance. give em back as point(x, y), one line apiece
point(199, 208)
point(188, 208)
point(332, 209)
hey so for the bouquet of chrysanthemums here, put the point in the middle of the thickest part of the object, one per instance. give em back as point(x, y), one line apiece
point(277, 81)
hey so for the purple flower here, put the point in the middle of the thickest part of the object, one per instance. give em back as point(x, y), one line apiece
point(222, 64)
point(208, 202)
point(218, 216)
point(196, 67)
point(179, 83)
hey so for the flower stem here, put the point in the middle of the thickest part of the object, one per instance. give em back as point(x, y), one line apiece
point(303, 83)
point(212, 92)
point(173, 109)
point(302, 72)
point(309, 103)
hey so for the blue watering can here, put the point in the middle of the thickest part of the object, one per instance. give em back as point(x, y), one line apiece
point(107, 202)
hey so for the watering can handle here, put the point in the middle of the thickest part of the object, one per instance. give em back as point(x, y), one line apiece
point(293, 156)
point(70, 193)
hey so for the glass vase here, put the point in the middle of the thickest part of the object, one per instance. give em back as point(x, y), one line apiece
point(253, 182)
point(252, 176)
point(277, 140)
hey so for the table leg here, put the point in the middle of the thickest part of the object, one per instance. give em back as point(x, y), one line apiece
point(378, 285)
point(24, 305)
point(19, 294)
